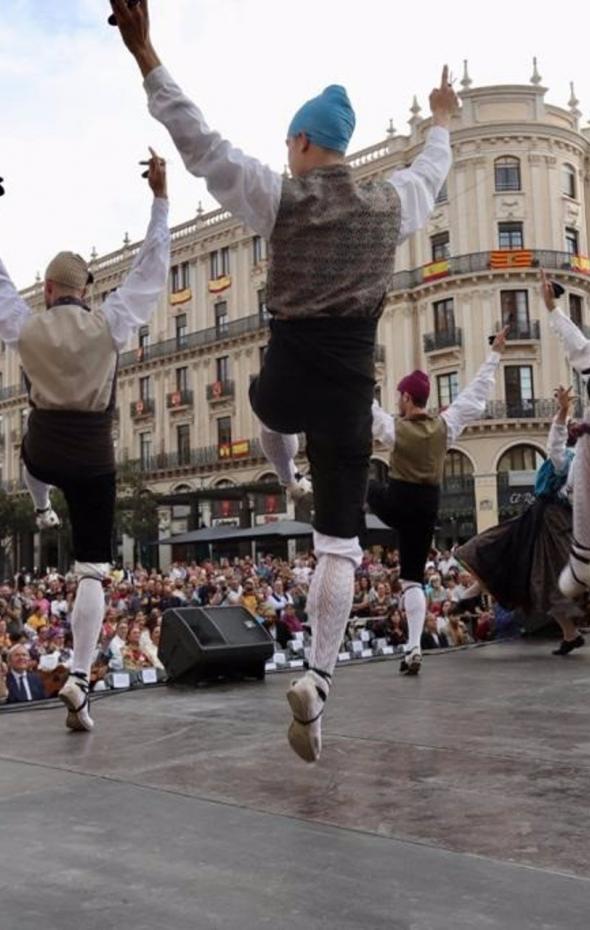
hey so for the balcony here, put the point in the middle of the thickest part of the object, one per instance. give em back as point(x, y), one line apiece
point(528, 332)
point(178, 400)
point(143, 407)
point(447, 339)
point(198, 340)
point(220, 391)
point(533, 409)
point(205, 457)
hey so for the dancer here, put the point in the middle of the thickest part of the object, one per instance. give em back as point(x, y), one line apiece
point(519, 561)
point(409, 500)
point(332, 244)
point(69, 358)
point(575, 577)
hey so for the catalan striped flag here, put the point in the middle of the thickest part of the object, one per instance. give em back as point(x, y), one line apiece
point(511, 258)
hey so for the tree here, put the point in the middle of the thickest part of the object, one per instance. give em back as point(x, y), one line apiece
point(136, 510)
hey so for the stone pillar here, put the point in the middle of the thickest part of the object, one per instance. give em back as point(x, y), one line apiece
point(486, 502)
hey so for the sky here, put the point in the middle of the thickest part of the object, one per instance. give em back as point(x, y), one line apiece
point(75, 122)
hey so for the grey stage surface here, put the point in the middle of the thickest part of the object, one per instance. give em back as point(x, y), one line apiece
point(454, 801)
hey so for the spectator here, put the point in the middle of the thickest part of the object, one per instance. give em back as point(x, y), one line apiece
point(431, 637)
point(22, 684)
point(134, 659)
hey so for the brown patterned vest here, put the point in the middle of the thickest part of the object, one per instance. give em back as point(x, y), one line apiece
point(420, 450)
point(332, 249)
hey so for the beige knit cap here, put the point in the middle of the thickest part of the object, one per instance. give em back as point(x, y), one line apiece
point(70, 270)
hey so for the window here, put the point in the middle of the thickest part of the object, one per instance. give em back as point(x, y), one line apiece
point(183, 444)
point(262, 309)
point(182, 379)
point(571, 241)
point(443, 194)
point(521, 458)
point(222, 368)
point(515, 312)
point(510, 236)
point(448, 388)
point(507, 174)
point(221, 319)
point(224, 431)
point(569, 180)
point(180, 277)
point(258, 249)
point(444, 316)
point(144, 337)
point(576, 309)
point(22, 379)
point(440, 247)
point(214, 265)
point(225, 260)
point(518, 382)
point(145, 388)
point(457, 465)
point(181, 328)
point(261, 354)
point(145, 449)
point(1, 380)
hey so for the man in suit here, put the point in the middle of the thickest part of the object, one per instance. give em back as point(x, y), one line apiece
point(431, 637)
point(22, 684)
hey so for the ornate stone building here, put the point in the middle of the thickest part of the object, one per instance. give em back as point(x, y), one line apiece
point(516, 200)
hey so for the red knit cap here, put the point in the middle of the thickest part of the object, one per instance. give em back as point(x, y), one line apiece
point(417, 385)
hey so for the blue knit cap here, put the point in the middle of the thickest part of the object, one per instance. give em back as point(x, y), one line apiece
point(327, 120)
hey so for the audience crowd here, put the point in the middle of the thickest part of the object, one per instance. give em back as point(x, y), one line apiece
point(36, 611)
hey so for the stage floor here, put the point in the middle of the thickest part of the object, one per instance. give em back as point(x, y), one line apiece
point(454, 801)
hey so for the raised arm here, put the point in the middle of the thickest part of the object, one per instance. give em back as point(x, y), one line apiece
point(132, 304)
point(14, 311)
point(383, 426)
point(557, 438)
point(250, 190)
point(471, 402)
point(418, 186)
point(577, 347)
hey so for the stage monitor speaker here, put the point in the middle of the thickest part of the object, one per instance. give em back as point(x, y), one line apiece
point(199, 643)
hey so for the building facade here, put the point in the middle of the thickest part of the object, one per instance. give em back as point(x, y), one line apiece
point(515, 201)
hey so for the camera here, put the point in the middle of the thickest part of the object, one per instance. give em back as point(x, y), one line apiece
point(113, 18)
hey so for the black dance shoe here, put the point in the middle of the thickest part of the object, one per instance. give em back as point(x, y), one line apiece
point(566, 646)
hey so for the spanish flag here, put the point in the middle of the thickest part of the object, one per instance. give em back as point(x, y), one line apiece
point(581, 263)
point(435, 270)
point(219, 284)
point(511, 258)
point(240, 447)
point(181, 297)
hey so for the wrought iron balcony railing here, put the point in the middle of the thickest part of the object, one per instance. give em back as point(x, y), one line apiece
point(143, 407)
point(178, 399)
point(221, 390)
point(525, 332)
point(448, 339)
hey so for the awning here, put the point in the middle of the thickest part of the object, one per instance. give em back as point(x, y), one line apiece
point(281, 529)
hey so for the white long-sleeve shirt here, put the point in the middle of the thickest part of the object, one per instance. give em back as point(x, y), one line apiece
point(576, 345)
point(128, 307)
point(467, 407)
point(557, 452)
point(250, 190)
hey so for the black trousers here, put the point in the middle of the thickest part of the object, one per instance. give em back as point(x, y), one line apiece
point(412, 510)
point(318, 379)
point(91, 508)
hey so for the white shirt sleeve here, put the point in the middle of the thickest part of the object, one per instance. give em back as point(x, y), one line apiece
point(132, 304)
point(576, 345)
point(471, 403)
point(14, 311)
point(419, 185)
point(383, 426)
point(556, 446)
point(250, 190)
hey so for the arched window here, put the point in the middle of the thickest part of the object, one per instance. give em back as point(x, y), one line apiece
point(457, 465)
point(516, 479)
point(507, 173)
point(569, 180)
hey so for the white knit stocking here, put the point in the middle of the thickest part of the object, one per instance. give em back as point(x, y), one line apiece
point(328, 609)
point(582, 495)
point(280, 449)
point(38, 490)
point(414, 601)
point(87, 617)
